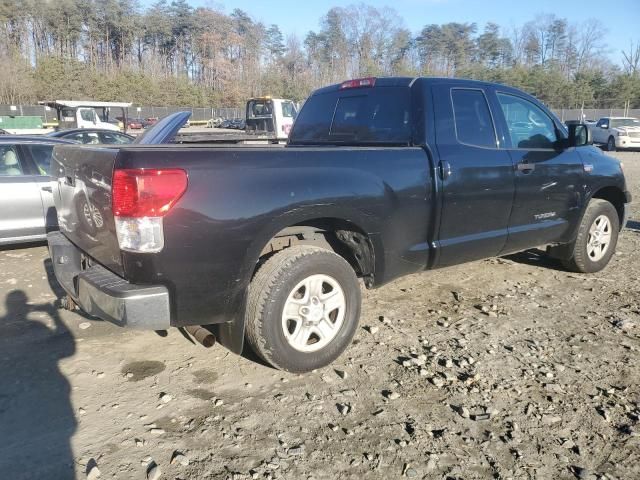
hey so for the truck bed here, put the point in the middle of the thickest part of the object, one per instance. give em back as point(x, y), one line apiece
point(237, 199)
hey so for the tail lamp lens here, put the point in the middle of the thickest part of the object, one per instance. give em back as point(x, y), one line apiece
point(140, 198)
point(146, 192)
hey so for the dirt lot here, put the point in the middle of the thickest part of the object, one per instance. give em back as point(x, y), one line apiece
point(544, 383)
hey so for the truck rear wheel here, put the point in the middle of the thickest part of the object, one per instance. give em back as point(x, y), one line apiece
point(597, 238)
point(303, 308)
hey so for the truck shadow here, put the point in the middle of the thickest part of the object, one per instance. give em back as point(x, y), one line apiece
point(536, 258)
point(36, 415)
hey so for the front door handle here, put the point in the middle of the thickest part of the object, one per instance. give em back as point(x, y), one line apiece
point(445, 170)
point(526, 167)
point(47, 189)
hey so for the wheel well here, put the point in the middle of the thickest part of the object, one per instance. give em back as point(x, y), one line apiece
point(615, 197)
point(340, 236)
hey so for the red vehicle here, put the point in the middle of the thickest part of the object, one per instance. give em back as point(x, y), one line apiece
point(133, 123)
point(148, 122)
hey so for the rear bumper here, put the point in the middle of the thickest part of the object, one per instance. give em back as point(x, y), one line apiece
point(103, 294)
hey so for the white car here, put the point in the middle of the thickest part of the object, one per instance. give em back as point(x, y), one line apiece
point(617, 133)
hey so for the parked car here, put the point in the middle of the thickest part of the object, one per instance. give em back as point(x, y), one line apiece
point(149, 121)
point(132, 123)
point(26, 202)
point(617, 133)
point(382, 177)
point(4, 132)
point(238, 124)
point(93, 136)
point(214, 122)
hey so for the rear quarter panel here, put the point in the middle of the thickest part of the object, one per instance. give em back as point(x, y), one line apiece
point(239, 198)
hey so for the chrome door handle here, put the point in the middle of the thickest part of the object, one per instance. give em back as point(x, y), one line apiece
point(445, 170)
point(526, 167)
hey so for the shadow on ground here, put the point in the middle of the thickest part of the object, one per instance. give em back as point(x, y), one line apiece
point(536, 258)
point(37, 418)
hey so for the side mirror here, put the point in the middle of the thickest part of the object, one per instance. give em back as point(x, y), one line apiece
point(604, 126)
point(579, 135)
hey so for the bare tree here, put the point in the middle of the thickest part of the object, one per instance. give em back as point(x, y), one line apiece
point(631, 59)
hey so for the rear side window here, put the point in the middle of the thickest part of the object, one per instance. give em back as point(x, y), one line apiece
point(474, 125)
point(41, 155)
point(9, 162)
point(364, 116)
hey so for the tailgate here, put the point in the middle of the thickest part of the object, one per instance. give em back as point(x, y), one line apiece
point(83, 201)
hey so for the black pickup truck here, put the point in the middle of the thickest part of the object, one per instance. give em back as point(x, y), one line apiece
point(381, 177)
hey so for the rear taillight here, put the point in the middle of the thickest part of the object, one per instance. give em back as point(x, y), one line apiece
point(358, 83)
point(140, 198)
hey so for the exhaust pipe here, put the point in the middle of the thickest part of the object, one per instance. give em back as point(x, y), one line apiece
point(202, 335)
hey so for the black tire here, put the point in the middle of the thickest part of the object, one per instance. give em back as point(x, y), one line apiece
point(580, 261)
point(268, 293)
point(611, 144)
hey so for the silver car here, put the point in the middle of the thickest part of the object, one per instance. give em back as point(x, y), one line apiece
point(26, 200)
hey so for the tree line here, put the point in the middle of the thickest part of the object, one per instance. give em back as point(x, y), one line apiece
point(171, 53)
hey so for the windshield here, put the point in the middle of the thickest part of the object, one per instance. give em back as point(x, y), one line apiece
point(624, 122)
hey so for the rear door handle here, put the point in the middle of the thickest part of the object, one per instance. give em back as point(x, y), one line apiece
point(526, 167)
point(445, 170)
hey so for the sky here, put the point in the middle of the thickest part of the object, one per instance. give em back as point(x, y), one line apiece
point(620, 17)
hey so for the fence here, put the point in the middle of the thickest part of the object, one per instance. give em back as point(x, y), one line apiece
point(595, 113)
point(197, 113)
point(206, 113)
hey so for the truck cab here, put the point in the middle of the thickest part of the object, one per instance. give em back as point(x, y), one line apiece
point(88, 114)
point(271, 115)
point(86, 117)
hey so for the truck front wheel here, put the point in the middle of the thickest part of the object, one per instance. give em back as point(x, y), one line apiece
point(611, 144)
point(303, 308)
point(597, 238)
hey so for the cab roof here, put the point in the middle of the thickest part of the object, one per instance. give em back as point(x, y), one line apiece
point(83, 103)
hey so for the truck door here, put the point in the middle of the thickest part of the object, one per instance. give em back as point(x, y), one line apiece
point(548, 178)
point(601, 131)
point(477, 177)
point(39, 157)
point(21, 215)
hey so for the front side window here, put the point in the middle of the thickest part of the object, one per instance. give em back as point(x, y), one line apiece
point(288, 110)
point(84, 137)
point(9, 161)
point(114, 138)
point(87, 115)
point(529, 126)
point(601, 122)
point(41, 155)
point(474, 125)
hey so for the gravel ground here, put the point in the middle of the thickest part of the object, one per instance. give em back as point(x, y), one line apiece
point(504, 368)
